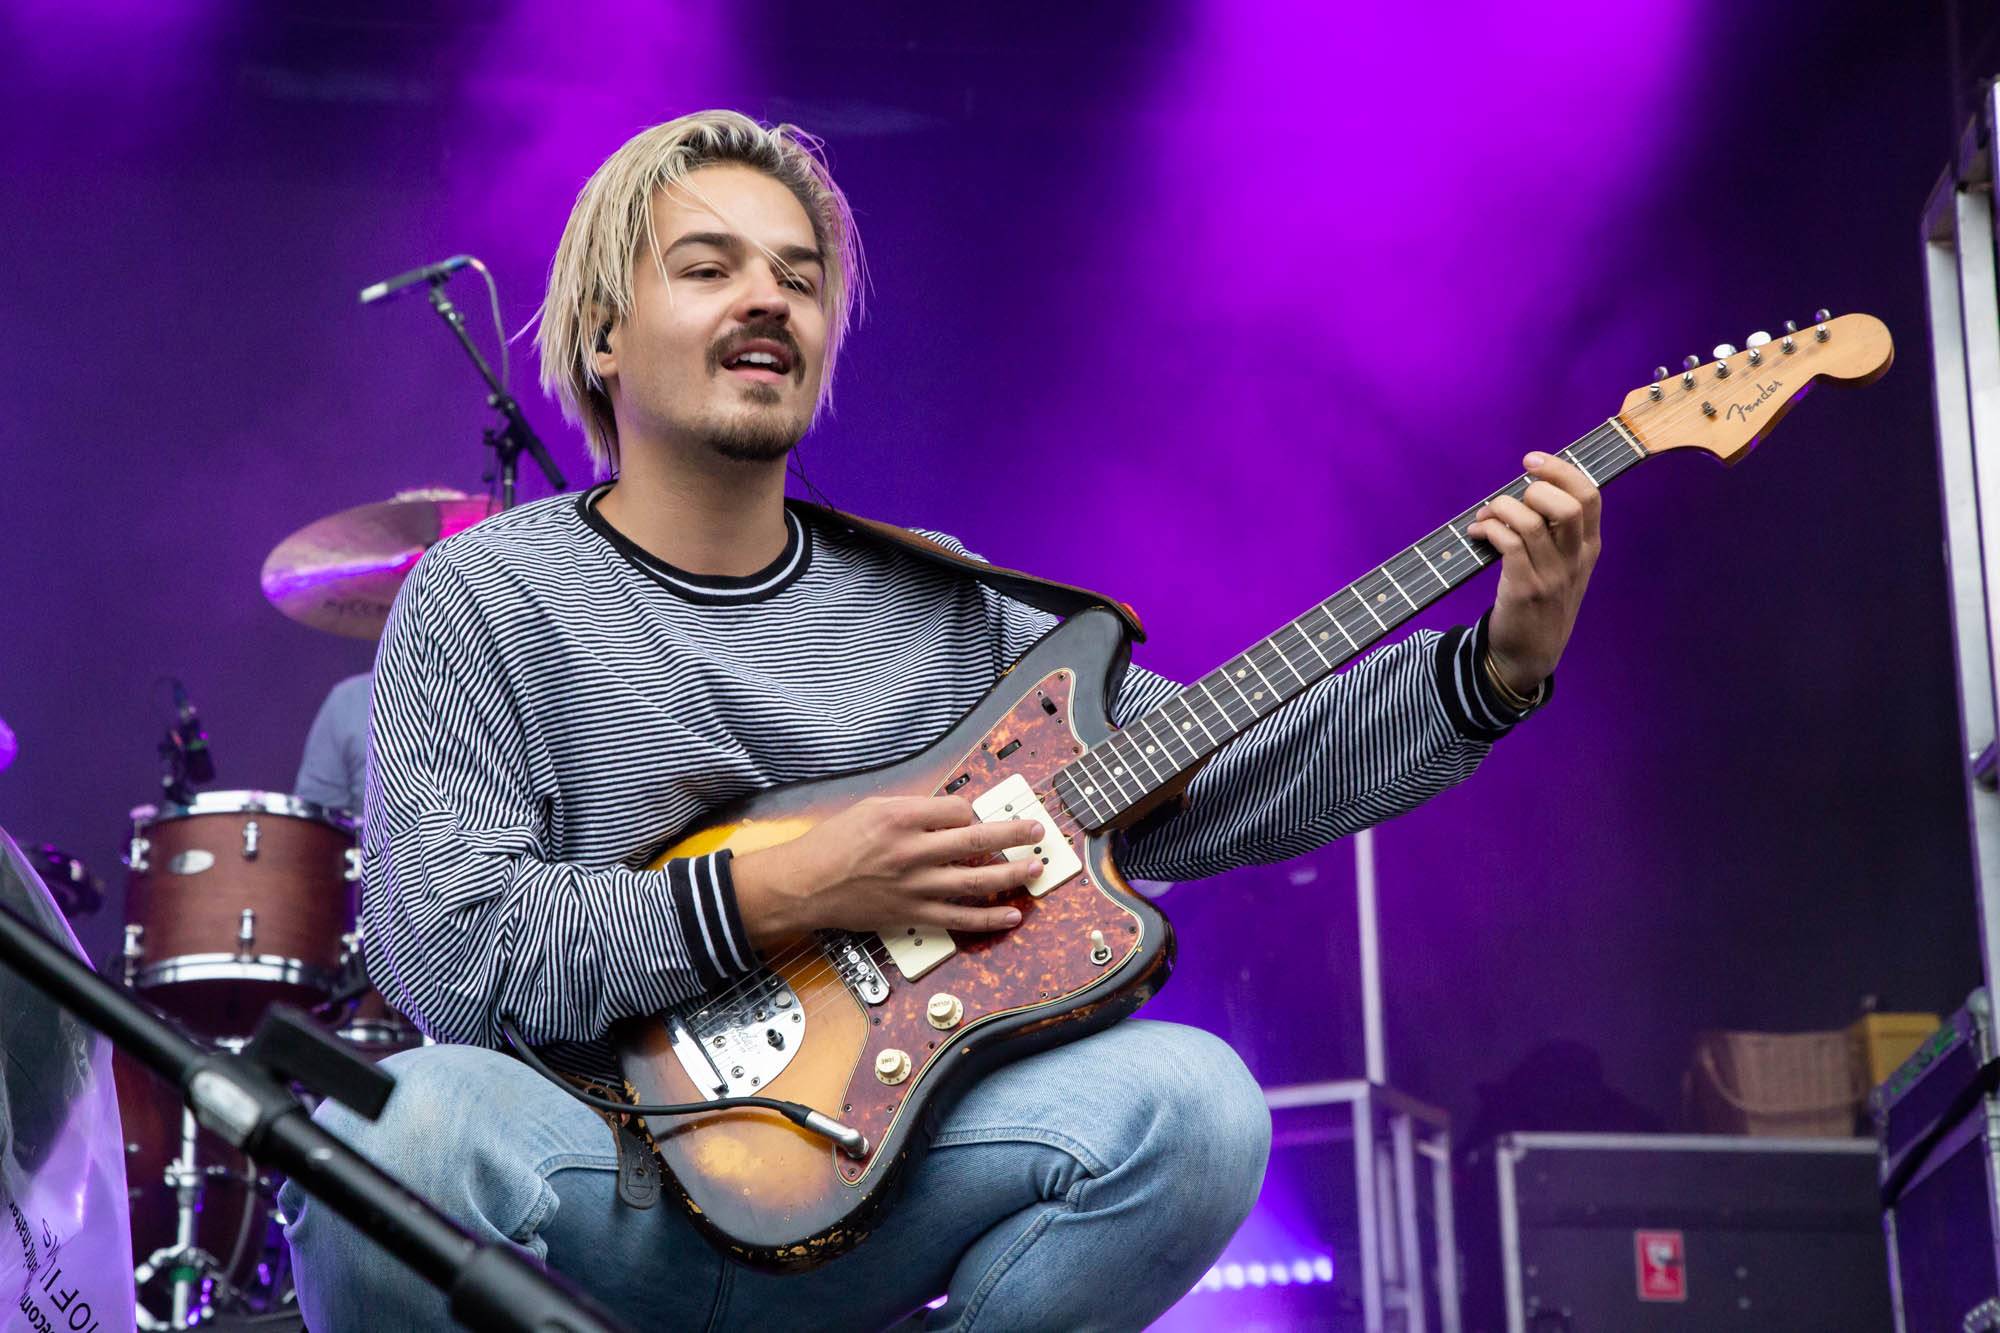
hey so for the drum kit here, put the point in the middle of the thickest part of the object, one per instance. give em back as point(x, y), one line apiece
point(236, 901)
point(240, 900)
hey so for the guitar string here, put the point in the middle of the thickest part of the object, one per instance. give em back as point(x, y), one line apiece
point(878, 951)
point(1604, 443)
point(869, 940)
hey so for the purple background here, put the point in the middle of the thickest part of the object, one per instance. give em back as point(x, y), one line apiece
point(1209, 305)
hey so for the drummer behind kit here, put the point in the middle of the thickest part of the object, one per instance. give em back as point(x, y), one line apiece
point(239, 900)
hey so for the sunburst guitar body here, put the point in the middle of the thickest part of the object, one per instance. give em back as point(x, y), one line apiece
point(869, 1028)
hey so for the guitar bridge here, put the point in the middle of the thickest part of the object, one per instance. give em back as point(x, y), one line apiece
point(733, 1043)
point(856, 968)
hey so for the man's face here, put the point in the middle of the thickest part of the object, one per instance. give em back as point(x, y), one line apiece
point(726, 355)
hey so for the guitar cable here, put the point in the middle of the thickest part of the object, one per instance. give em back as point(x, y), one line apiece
point(849, 1140)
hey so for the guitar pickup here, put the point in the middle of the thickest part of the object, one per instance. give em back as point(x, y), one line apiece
point(1015, 799)
point(915, 950)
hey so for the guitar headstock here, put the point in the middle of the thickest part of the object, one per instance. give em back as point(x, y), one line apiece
point(1726, 405)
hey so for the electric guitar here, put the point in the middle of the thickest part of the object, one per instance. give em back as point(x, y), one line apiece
point(867, 1029)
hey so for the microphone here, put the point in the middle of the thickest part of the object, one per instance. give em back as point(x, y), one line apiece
point(190, 739)
point(428, 273)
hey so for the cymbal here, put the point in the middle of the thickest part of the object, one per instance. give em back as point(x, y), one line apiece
point(341, 572)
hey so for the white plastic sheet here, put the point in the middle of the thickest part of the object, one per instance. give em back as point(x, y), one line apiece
point(66, 1256)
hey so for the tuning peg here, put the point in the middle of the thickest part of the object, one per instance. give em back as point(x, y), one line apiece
point(1791, 326)
point(1757, 339)
point(1790, 344)
point(1687, 369)
point(1723, 350)
point(1659, 373)
point(1820, 318)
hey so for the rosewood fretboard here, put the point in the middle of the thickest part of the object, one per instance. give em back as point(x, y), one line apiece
point(1155, 749)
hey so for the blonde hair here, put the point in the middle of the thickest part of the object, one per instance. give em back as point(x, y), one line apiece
point(590, 279)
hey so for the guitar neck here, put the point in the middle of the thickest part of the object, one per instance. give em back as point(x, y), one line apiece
point(1153, 751)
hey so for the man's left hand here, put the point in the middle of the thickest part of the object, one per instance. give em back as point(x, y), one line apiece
point(1548, 544)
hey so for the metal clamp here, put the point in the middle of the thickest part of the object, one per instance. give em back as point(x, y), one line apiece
point(136, 857)
point(133, 952)
point(251, 833)
point(246, 930)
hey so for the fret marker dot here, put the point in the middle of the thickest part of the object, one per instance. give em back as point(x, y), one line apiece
point(1381, 597)
point(1090, 791)
point(1152, 749)
point(1256, 694)
point(1187, 726)
point(1239, 673)
point(1116, 769)
point(1322, 634)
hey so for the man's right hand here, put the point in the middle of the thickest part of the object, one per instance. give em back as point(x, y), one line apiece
point(884, 863)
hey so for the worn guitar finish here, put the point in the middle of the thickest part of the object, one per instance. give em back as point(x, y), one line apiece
point(774, 1195)
point(834, 1022)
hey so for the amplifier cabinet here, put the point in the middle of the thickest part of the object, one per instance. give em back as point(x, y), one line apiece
point(1939, 1127)
point(1642, 1233)
point(1941, 1232)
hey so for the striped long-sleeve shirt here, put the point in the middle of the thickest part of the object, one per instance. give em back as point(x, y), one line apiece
point(551, 702)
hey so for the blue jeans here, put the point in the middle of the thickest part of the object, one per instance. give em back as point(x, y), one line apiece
point(1084, 1187)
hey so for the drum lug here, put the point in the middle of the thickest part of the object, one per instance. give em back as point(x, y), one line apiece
point(133, 952)
point(353, 872)
point(250, 835)
point(135, 854)
point(246, 930)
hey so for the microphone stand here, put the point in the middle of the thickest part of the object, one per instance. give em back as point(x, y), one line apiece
point(514, 435)
point(243, 1098)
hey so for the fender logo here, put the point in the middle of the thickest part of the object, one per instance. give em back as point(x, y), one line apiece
point(1742, 411)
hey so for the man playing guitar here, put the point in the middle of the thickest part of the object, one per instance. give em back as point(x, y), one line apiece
point(566, 685)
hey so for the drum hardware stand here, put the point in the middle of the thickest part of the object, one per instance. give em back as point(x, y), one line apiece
point(244, 1098)
point(514, 435)
point(187, 1262)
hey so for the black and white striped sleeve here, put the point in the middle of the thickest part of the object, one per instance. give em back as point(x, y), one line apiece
point(467, 917)
point(1354, 749)
point(1396, 728)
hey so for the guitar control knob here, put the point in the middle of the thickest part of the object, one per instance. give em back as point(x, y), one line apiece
point(892, 1066)
point(944, 1011)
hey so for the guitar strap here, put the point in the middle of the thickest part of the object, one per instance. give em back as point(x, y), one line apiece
point(1058, 599)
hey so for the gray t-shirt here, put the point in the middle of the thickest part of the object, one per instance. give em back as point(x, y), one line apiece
point(336, 758)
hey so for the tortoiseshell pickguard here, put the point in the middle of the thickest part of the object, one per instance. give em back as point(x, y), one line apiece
point(1044, 960)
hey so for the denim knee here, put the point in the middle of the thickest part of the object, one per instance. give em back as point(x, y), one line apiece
point(1202, 1090)
point(473, 1131)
